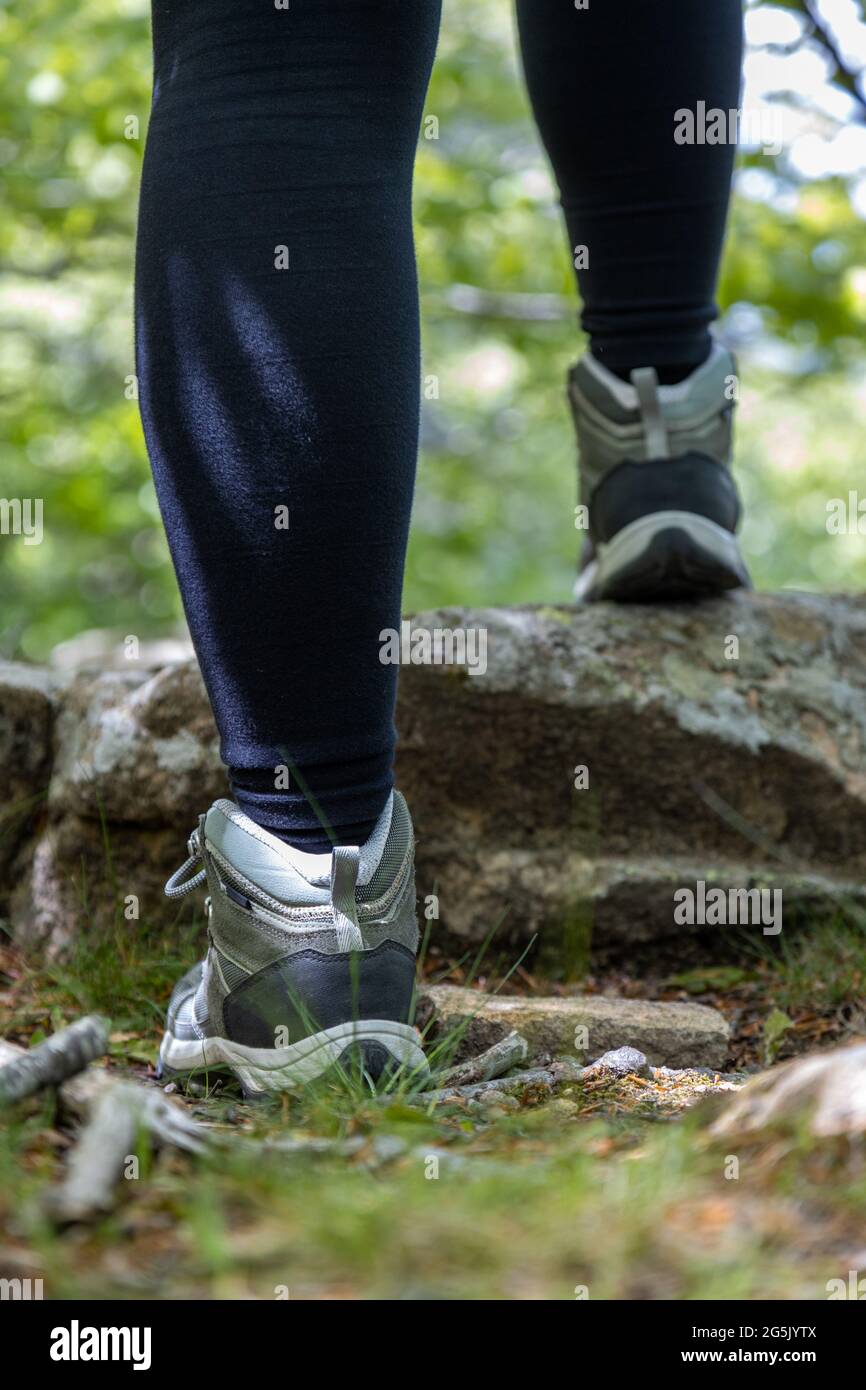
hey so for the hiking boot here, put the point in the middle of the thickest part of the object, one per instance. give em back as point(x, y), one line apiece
point(311, 957)
point(656, 482)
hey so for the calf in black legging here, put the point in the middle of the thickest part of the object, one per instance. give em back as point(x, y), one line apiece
point(277, 333)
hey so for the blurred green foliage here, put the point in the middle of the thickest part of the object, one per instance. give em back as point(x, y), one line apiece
point(494, 511)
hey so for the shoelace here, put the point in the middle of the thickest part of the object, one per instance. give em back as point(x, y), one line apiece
point(174, 888)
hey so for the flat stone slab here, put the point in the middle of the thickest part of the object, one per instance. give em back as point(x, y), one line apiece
point(579, 1026)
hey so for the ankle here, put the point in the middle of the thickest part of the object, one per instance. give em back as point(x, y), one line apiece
point(669, 373)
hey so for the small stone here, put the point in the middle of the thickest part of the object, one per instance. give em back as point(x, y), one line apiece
point(196, 1088)
point(496, 1100)
point(387, 1147)
point(553, 1111)
point(624, 1061)
point(562, 1109)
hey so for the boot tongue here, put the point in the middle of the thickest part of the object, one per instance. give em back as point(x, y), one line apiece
point(288, 874)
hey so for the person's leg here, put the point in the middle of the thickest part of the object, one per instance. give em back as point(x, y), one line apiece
point(277, 348)
point(653, 398)
point(277, 336)
point(605, 84)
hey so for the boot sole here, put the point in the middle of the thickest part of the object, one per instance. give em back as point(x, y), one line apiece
point(662, 556)
point(380, 1046)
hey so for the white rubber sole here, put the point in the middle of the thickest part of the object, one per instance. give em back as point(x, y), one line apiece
point(670, 549)
point(272, 1069)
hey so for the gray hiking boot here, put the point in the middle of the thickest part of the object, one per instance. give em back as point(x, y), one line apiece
point(656, 482)
point(311, 958)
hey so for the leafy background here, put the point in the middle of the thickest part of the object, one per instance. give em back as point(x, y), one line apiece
point(494, 511)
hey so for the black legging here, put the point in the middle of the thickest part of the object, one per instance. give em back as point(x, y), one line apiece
point(277, 328)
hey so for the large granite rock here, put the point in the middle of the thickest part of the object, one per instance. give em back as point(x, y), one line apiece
point(137, 747)
point(723, 742)
point(737, 772)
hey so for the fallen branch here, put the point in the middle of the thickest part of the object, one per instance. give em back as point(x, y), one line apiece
point(78, 1095)
point(120, 1115)
point(493, 1062)
point(290, 1146)
point(524, 1085)
point(54, 1061)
